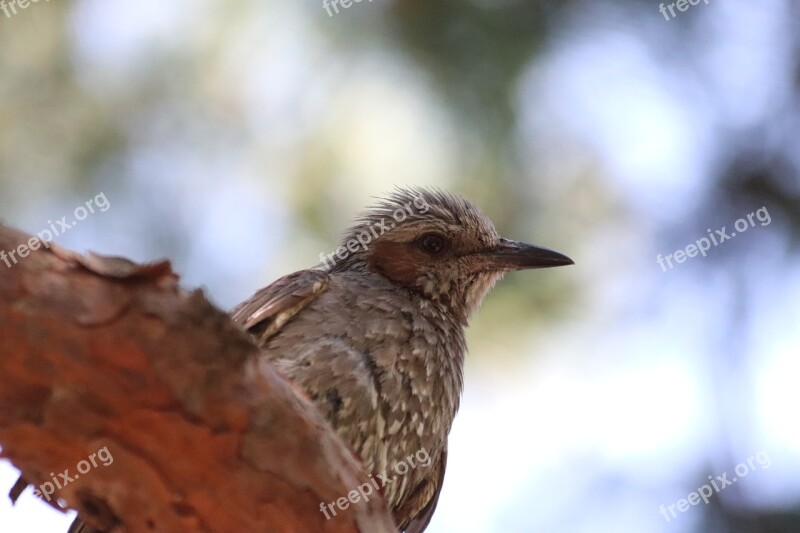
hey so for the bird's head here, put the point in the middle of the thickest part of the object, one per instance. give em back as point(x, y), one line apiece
point(438, 245)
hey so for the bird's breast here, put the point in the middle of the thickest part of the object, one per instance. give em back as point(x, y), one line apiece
point(385, 370)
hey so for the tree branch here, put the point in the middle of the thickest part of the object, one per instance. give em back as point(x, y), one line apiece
point(101, 353)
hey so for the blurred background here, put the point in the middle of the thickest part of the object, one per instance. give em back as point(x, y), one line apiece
point(239, 138)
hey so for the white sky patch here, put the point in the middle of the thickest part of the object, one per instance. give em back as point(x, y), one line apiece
point(30, 513)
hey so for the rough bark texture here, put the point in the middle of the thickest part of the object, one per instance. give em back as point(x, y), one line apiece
point(103, 353)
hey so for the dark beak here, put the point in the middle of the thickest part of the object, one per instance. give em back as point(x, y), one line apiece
point(514, 255)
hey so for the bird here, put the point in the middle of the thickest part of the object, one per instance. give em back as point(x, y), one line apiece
point(374, 335)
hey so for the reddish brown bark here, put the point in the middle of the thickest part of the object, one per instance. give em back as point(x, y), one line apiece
point(103, 353)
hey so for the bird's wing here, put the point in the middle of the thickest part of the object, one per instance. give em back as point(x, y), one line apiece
point(428, 491)
point(265, 313)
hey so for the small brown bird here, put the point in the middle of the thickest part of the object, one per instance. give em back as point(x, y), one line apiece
point(375, 334)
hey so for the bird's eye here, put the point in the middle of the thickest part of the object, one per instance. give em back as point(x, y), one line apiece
point(432, 243)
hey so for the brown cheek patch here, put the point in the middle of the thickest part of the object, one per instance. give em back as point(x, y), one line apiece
point(397, 261)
